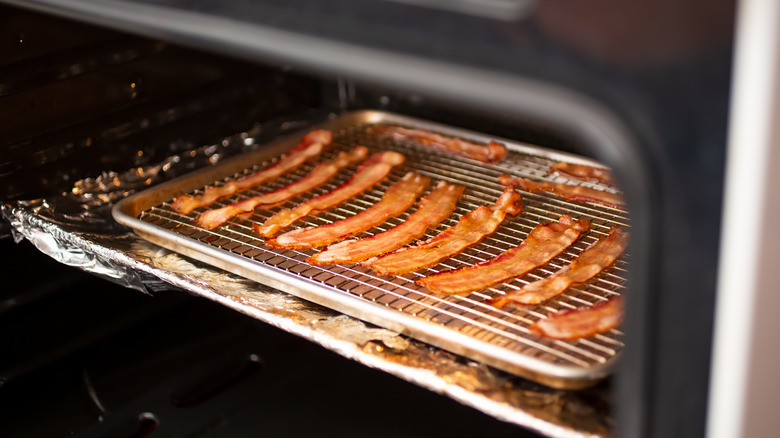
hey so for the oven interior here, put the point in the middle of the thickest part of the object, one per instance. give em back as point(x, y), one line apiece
point(83, 103)
point(106, 361)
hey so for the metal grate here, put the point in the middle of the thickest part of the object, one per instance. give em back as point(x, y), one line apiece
point(467, 314)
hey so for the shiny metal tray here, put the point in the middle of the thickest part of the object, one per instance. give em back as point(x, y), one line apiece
point(463, 324)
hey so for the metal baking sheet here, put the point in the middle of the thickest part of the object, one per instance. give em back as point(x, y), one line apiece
point(463, 324)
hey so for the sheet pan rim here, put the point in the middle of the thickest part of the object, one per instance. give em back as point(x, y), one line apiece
point(555, 375)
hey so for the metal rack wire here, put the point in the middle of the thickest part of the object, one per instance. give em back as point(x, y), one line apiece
point(467, 314)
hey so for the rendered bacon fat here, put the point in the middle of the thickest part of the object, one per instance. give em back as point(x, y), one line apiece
point(583, 172)
point(470, 230)
point(565, 191)
point(542, 244)
point(396, 200)
point(310, 146)
point(319, 175)
point(590, 263)
point(433, 209)
point(493, 152)
point(580, 323)
point(374, 170)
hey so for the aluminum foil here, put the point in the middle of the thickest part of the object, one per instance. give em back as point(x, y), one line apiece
point(76, 229)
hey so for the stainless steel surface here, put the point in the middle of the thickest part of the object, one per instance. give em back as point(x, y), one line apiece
point(462, 323)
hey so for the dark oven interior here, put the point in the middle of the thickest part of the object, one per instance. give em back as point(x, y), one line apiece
point(82, 104)
point(85, 357)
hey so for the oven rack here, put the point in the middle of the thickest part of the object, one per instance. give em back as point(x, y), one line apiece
point(464, 324)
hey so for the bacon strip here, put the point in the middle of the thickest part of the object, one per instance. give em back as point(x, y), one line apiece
point(590, 263)
point(579, 323)
point(493, 152)
point(396, 200)
point(470, 230)
point(319, 175)
point(374, 170)
point(433, 209)
point(310, 146)
point(583, 172)
point(542, 244)
point(565, 191)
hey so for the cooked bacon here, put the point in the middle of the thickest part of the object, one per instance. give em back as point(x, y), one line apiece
point(396, 200)
point(433, 209)
point(580, 323)
point(587, 265)
point(319, 175)
point(565, 191)
point(542, 244)
point(470, 230)
point(310, 146)
point(493, 152)
point(374, 170)
point(583, 172)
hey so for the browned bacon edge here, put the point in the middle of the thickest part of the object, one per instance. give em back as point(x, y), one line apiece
point(398, 198)
point(565, 191)
point(587, 265)
point(491, 153)
point(372, 171)
point(543, 243)
point(583, 172)
point(581, 323)
point(433, 208)
point(310, 146)
point(319, 175)
point(470, 230)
